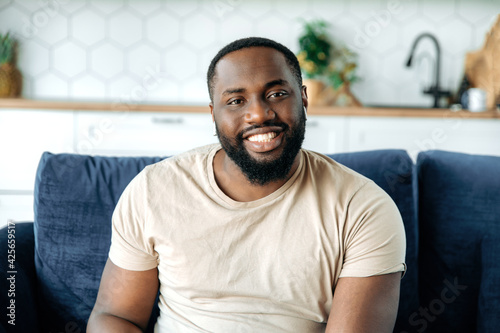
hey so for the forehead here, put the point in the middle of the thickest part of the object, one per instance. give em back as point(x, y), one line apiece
point(254, 65)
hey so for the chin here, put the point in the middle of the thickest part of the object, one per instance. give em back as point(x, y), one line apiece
point(266, 167)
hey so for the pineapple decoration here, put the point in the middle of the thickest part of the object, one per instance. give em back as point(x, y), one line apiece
point(10, 77)
point(329, 68)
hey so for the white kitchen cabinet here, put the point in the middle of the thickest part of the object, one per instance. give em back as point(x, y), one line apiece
point(141, 133)
point(17, 208)
point(474, 136)
point(24, 136)
point(326, 134)
point(133, 134)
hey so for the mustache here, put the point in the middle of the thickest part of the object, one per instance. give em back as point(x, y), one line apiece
point(240, 135)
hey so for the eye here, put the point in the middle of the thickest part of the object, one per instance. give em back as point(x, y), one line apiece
point(278, 94)
point(235, 101)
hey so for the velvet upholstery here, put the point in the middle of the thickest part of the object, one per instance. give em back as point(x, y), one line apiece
point(459, 209)
point(24, 288)
point(454, 245)
point(393, 171)
point(74, 199)
point(72, 226)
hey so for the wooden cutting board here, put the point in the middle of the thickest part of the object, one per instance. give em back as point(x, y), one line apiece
point(483, 66)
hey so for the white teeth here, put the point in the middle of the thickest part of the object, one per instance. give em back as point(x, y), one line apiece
point(267, 137)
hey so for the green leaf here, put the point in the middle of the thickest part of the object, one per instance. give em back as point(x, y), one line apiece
point(7, 48)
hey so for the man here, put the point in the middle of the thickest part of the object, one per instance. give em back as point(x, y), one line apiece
point(255, 234)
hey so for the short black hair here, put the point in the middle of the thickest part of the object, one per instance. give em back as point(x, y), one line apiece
point(239, 44)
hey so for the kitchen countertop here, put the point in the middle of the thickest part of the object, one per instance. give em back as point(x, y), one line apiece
point(19, 103)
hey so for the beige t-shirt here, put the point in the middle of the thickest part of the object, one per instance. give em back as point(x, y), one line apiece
point(268, 265)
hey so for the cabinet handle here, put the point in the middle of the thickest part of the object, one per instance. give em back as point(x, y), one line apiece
point(91, 131)
point(169, 121)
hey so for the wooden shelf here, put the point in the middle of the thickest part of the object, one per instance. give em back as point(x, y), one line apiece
point(402, 112)
point(19, 103)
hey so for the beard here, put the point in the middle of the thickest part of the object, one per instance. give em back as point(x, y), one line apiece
point(266, 171)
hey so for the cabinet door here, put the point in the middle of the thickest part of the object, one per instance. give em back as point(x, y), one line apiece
point(24, 136)
point(325, 134)
point(161, 134)
point(18, 208)
point(474, 136)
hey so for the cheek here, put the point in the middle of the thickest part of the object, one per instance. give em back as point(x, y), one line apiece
point(226, 126)
point(292, 117)
point(228, 122)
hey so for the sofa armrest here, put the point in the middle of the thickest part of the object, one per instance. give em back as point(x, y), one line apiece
point(18, 285)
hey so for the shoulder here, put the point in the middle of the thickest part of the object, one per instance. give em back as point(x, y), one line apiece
point(173, 174)
point(190, 161)
point(331, 173)
point(347, 186)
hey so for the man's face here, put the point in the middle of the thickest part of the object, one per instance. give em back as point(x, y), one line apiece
point(258, 111)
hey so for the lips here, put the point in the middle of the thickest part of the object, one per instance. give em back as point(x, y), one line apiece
point(266, 137)
point(263, 130)
point(263, 139)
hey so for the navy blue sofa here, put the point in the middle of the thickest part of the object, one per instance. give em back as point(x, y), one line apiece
point(450, 204)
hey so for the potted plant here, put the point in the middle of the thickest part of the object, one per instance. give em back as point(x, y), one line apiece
point(328, 69)
point(10, 76)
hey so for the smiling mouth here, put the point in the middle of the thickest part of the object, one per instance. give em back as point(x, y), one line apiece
point(266, 137)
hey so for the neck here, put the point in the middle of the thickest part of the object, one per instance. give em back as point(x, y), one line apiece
point(233, 182)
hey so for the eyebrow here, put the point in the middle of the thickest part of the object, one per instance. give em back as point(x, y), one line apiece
point(233, 91)
point(277, 82)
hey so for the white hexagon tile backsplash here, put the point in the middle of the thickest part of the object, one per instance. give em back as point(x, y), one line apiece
point(157, 51)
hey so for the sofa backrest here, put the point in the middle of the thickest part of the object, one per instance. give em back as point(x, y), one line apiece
point(393, 171)
point(74, 199)
point(459, 220)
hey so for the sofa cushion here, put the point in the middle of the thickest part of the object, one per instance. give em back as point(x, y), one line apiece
point(74, 199)
point(459, 209)
point(18, 286)
point(393, 171)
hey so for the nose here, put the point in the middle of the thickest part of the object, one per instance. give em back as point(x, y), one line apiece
point(258, 112)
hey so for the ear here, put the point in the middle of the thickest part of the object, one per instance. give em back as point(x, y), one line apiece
point(212, 111)
point(305, 102)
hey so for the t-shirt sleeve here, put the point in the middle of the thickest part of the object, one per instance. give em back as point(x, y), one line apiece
point(374, 237)
point(132, 246)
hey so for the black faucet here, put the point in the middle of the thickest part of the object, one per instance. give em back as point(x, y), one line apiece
point(434, 90)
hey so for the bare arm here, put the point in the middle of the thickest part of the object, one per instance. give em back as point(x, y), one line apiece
point(125, 300)
point(365, 304)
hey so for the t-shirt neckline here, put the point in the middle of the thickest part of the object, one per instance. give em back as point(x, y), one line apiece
point(230, 203)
